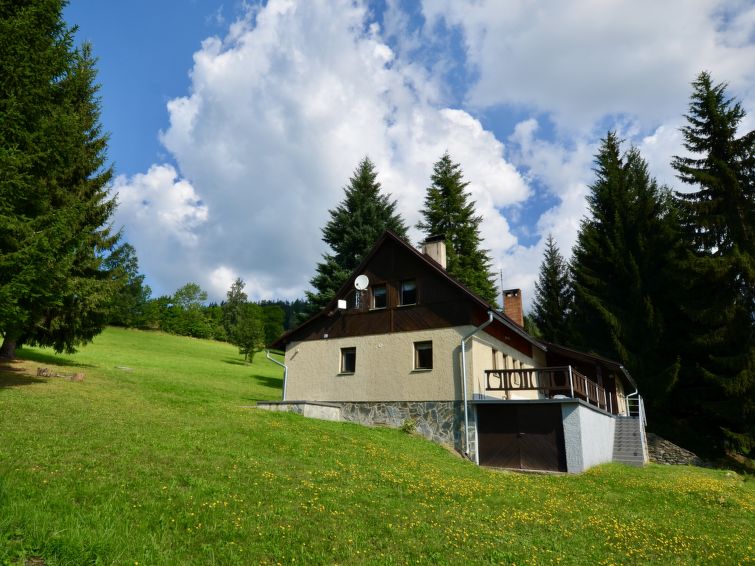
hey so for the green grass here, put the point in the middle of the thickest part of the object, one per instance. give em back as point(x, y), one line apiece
point(165, 464)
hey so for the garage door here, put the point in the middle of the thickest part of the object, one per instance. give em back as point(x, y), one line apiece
point(521, 436)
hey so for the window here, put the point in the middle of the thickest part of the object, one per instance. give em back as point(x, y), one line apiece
point(408, 292)
point(379, 297)
point(423, 355)
point(348, 360)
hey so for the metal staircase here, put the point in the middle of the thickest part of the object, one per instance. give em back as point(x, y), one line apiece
point(630, 443)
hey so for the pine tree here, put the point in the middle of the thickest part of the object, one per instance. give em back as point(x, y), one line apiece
point(354, 227)
point(624, 270)
point(54, 207)
point(449, 212)
point(719, 228)
point(553, 296)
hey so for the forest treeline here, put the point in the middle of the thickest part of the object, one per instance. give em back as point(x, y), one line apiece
point(663, 280)
point(249, 324)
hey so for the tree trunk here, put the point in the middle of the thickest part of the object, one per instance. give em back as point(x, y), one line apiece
point(8, 349)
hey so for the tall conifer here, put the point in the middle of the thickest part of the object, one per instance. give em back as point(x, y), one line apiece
point(624, 269)
point(354, 227)
point(449, 212)
point(553, 296)
point(719, 228)
point(54, 208)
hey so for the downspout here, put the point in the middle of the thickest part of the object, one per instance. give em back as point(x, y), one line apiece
point(464, 378)
point(285, 371)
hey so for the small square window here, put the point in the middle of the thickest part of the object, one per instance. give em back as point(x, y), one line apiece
point(348, 360)
point(423, 355)
point(409, 292)
point(379, 297)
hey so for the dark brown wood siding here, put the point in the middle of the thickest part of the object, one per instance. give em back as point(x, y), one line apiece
point(440, 303)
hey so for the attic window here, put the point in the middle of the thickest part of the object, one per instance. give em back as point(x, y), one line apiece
point(409, 292)
point(379, 297)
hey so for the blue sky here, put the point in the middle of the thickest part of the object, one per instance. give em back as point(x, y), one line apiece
point(235, 125)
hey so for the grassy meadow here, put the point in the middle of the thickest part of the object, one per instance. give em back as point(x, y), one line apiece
point(157, 458)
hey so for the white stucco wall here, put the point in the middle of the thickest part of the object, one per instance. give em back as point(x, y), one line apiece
point(384, 368)
point(588, 436)
point(385, 362)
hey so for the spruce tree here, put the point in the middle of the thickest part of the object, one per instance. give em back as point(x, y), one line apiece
point(552, 305)
point(719, 228)
point(449, 212)
point(625, 268)
point(54, 207)
point(354, 227)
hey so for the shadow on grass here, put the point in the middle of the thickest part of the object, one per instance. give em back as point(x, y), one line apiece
point(49, 359)
point(11, 376)
point(14, 380)
point(267, 381)
point(235, 362)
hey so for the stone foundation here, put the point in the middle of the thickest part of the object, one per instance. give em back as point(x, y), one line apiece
point(439, 421)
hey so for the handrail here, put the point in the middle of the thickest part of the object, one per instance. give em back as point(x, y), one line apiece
point(550, 381)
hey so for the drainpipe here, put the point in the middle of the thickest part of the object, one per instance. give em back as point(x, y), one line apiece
point(285, 372)
point(464, 378)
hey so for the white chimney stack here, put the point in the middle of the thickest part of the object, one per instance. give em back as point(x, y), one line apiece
point(435, 248)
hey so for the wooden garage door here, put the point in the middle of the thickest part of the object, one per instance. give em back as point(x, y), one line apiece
point(521, 436)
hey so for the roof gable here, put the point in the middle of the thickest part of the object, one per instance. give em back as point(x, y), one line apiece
point(442, 301)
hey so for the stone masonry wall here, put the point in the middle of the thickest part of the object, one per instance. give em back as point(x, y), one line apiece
point(439, 421)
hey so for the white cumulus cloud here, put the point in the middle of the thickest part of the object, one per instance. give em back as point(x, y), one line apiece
point(278, 115)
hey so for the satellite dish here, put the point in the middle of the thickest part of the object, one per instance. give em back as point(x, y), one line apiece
point(361, 282)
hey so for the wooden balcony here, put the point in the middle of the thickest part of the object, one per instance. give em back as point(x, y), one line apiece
point(550, 382)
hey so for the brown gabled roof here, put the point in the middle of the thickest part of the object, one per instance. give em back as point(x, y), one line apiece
point(388, 235)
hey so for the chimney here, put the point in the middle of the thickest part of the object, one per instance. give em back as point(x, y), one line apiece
point(435, 248)
point(512, 305)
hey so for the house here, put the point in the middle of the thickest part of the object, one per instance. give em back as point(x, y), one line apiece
point(404, 340)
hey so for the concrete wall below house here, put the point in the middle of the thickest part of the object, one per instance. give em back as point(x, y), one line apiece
point(322, 411)
point(588, 436)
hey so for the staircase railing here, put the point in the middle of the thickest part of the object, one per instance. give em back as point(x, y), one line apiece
point(636, 409)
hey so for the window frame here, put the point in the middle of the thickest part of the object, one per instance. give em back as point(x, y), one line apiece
point(351, 350)
point(384, 287)
point(422, 346)
point(401, 292)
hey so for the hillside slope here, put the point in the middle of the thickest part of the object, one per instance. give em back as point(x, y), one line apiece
point(156, 458)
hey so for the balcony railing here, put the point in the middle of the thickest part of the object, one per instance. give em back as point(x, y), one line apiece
point(550, 381)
